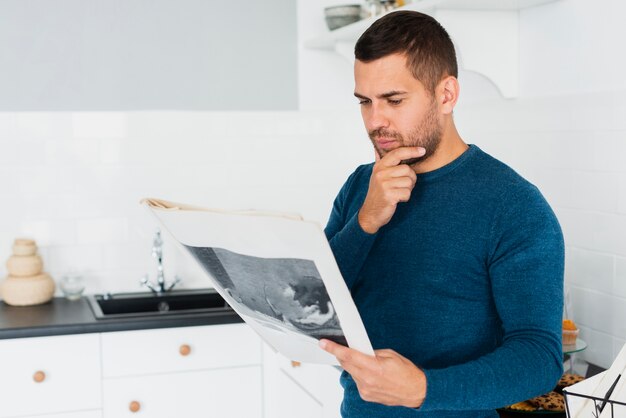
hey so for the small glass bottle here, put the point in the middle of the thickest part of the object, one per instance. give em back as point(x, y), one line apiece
point(72, 285)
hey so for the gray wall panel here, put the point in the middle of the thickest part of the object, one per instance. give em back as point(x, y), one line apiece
point(148, 54)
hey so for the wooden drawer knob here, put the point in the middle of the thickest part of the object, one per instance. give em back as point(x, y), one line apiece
point(184, 350)
point(39, 376)
point(134, 406)
point(295, 364)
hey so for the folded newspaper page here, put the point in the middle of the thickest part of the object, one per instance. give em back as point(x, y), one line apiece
point(276, 271)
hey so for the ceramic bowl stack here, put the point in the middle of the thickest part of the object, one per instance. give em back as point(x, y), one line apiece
point(27, 283)
point(339, 16)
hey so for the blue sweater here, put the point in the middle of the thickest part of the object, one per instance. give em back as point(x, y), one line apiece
point(466, 281)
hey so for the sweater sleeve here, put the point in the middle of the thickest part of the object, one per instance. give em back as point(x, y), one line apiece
point(349, 243)
point(526, 272)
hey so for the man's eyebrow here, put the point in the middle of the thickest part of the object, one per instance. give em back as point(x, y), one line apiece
point(381, 96)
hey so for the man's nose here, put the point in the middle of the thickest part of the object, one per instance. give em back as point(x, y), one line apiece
point(376, 118)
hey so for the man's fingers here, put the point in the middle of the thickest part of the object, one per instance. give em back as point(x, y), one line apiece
point(343, 355)
point(386, 174)
point(348, 357)
point(401, 170)
point(394, 157)
point(400, 182)
point(341, 352)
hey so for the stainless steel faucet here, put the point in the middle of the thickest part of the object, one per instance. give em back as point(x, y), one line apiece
point(161, 286)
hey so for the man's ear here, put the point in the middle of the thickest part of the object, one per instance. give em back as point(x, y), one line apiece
point(448, 94)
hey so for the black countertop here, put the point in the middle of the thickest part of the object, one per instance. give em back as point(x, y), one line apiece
point(61, 317)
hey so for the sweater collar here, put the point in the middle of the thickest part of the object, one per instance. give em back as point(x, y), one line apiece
point(451, 166)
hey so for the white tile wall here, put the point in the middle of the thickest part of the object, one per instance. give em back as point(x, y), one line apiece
point(73, 181)
point(585, 267)
point(100, 125)
point(585, 302)
point(619, 281)
point(573, 74)
point(44, 125)
point(600, 346)
point(573, 147)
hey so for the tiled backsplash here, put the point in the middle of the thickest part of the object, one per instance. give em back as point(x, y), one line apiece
point(573, 148)
point(73, 180)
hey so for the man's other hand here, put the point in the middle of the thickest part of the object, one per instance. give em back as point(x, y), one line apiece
point(386, 378)
point(390, 184)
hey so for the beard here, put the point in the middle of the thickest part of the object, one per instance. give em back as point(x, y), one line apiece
point(426, 135)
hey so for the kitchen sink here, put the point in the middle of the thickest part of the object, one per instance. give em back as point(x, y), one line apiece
point(148, 304)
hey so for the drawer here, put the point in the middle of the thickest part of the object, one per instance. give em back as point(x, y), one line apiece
point(50, 375)
point(131, 353)
point(223, 393)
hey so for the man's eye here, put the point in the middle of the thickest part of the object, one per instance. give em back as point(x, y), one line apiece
point(362, 102)
point(395, 102)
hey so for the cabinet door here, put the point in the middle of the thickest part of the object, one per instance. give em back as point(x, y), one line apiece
point(47, 375)
point(321, 381)
point(294, 400)
point(132, 353)
point(287, 385)
point(223, 393)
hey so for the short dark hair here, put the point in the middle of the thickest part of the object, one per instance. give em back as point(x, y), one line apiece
point(426, 44)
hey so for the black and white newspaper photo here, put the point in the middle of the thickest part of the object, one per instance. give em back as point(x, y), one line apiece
point(277, 272)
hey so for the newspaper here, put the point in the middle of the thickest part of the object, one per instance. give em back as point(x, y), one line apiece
point(276, 271)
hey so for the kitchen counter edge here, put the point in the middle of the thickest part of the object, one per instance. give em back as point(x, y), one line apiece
point(63, 317)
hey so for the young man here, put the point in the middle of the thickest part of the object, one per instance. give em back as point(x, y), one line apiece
point(454, 261)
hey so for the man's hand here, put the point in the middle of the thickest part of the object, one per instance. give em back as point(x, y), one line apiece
point(390, 184)
point(387, 378)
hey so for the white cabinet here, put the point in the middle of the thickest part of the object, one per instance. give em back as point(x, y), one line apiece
point(302, 390)
point(129, 353)
point(50, 375)
point(210, 371)
point(193, 372)
point(223, 393)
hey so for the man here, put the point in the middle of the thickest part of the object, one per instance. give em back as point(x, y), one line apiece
point(454, 261)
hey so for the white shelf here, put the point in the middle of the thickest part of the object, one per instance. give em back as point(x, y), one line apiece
point(472, 24)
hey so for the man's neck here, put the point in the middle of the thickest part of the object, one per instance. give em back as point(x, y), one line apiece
point(449, 149)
